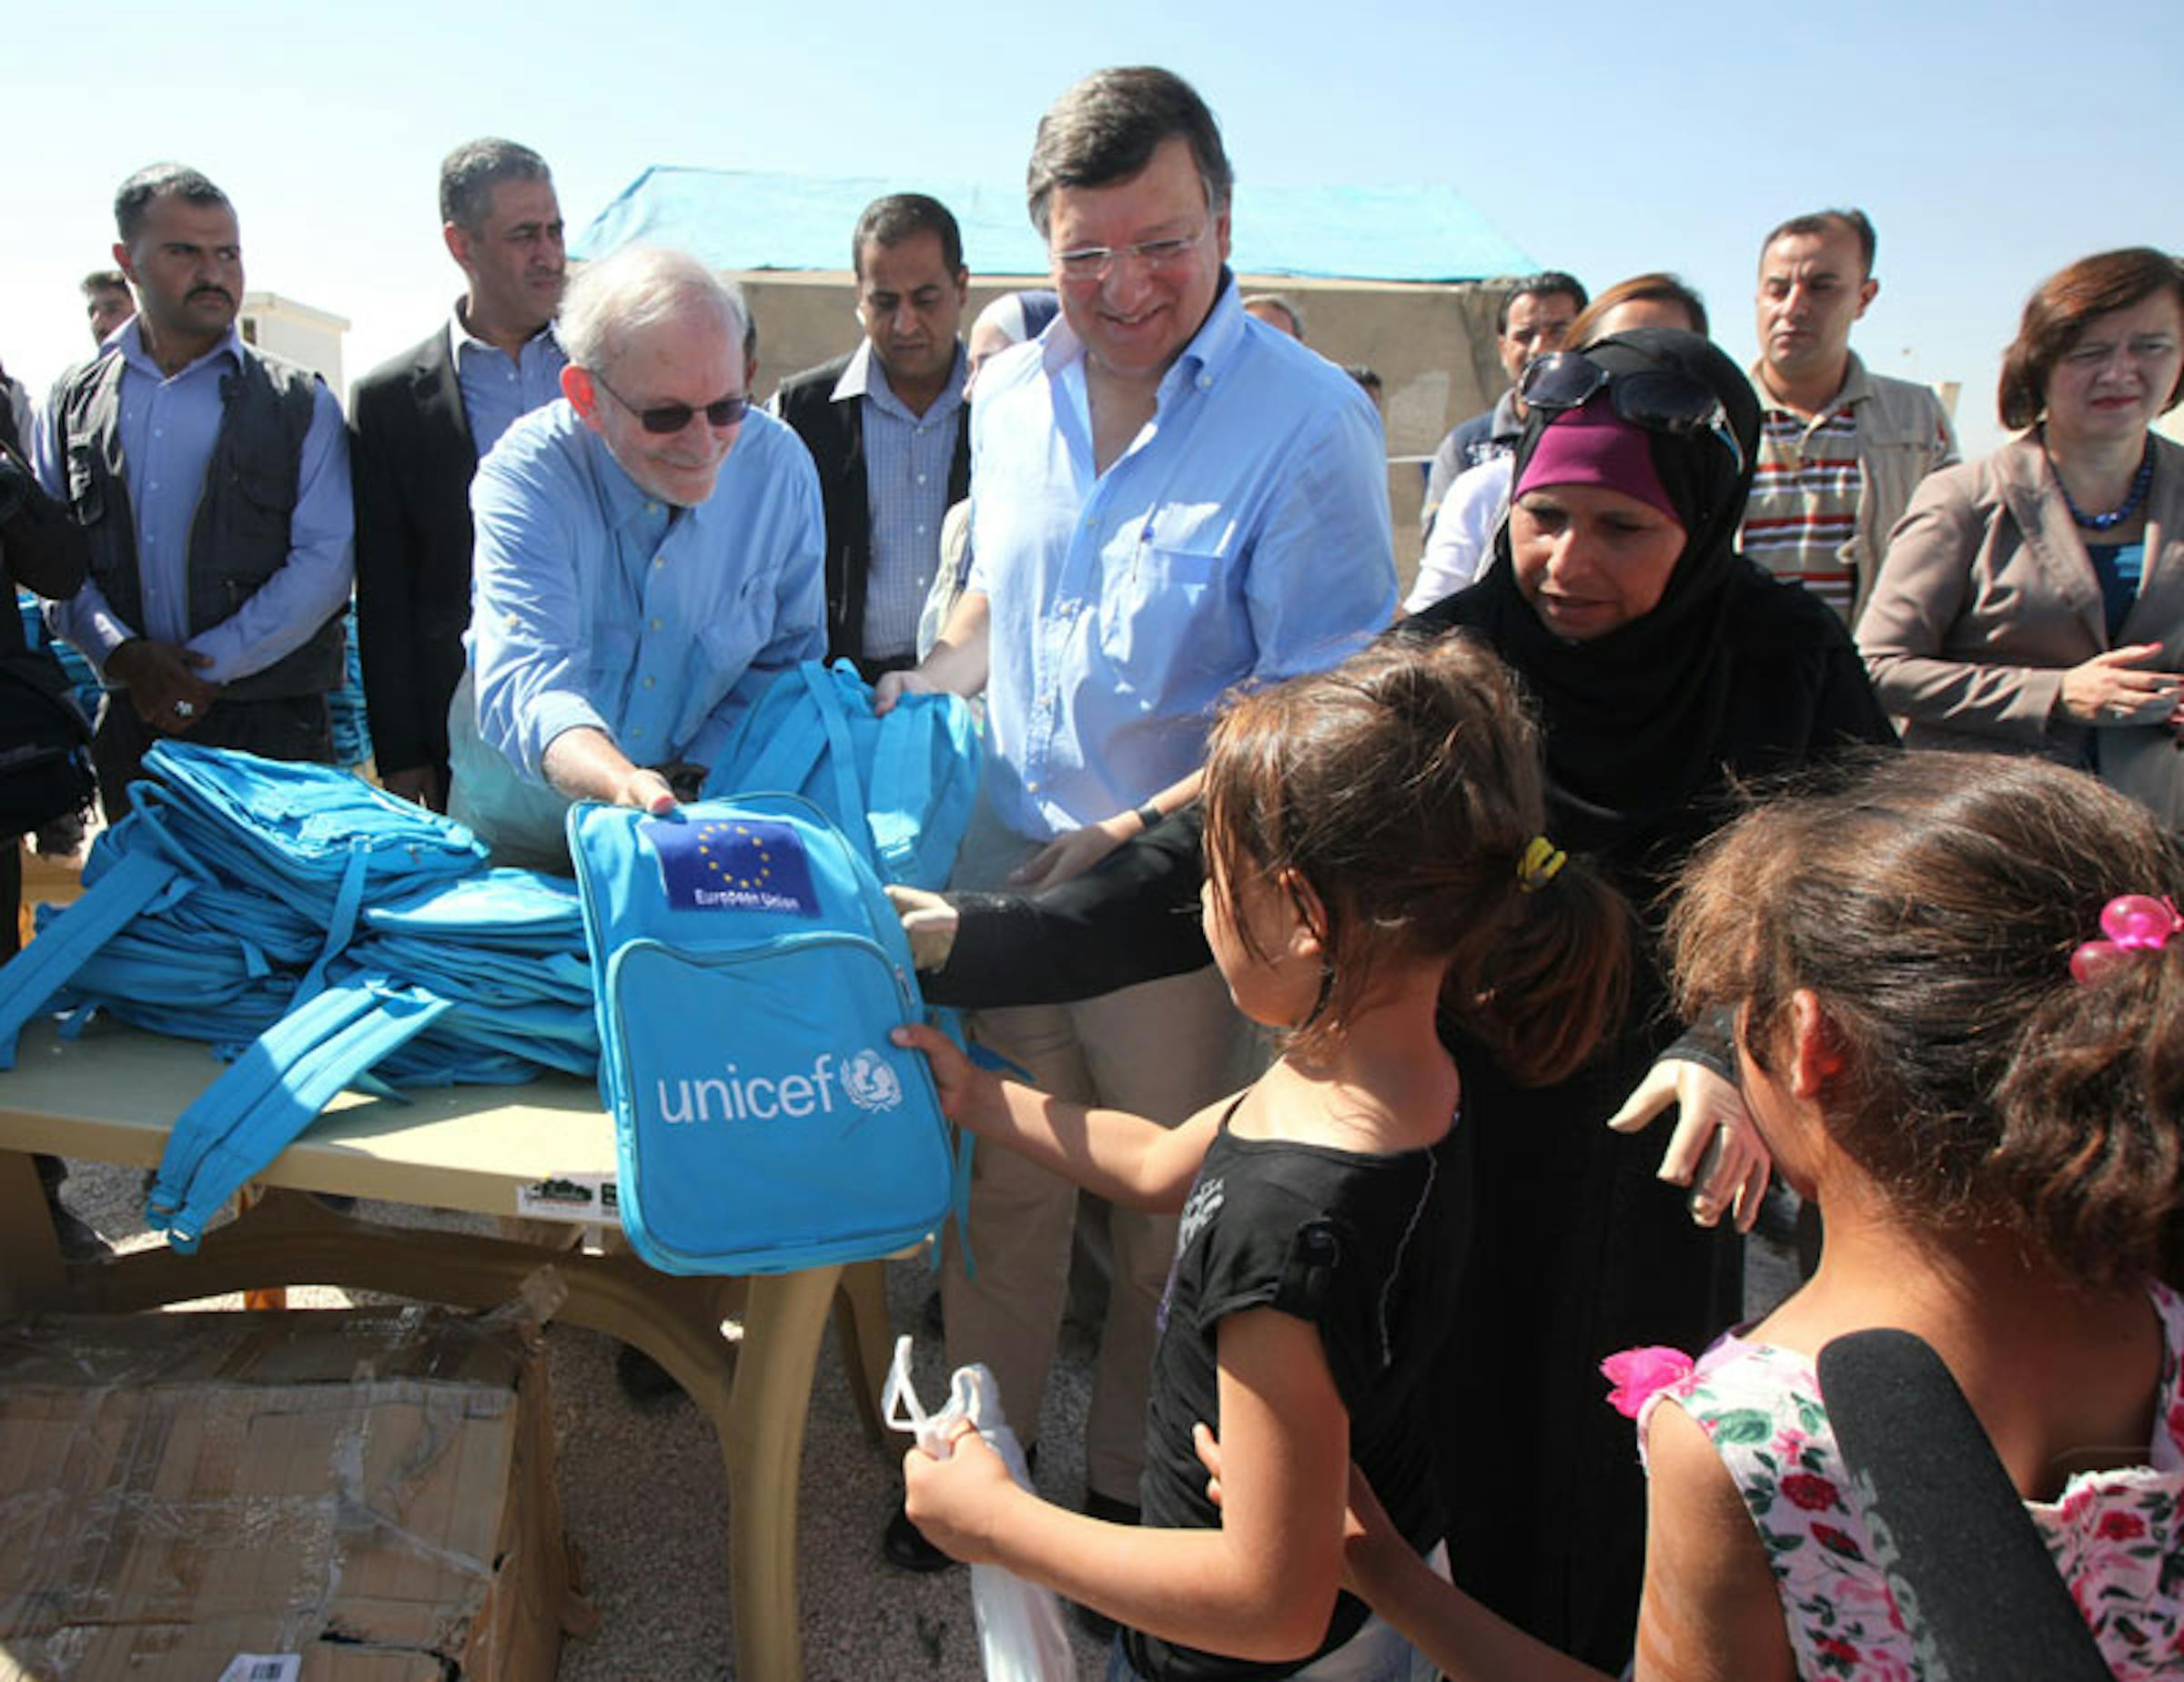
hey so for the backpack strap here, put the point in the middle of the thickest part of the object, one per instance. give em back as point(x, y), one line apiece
point(30, 979)
point(792, 743)
point(256, 1071)
point(842, 750)
point(341, 926)
point(253, 1122)
point(920, 754)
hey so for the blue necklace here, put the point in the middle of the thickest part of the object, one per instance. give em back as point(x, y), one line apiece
point(2141, 481)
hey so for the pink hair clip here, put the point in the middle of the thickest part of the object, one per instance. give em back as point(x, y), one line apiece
point(2132, 923)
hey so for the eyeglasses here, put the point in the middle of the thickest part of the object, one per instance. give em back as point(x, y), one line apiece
point(669, 418)
point(1097, 262)
point(1655, 398)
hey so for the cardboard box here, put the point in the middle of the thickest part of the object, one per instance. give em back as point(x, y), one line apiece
point(357, 1497)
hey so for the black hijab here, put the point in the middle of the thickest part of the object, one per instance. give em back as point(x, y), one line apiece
point(1634, 718)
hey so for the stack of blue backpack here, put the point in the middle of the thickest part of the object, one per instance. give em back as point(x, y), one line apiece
point(326, 934)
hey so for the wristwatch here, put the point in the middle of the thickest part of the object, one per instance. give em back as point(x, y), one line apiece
point(1148, 816)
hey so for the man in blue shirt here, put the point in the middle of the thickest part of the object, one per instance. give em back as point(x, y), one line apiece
point(420, 423)
point(1168, 498)
point(212, 483)
point(885, 428)
point(648, 558)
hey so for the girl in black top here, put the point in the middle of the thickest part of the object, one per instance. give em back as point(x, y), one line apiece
point(1374, 839)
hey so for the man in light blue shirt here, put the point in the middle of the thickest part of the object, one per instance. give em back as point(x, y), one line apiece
point(212, 483)
point(648, 559)
point(1167, 498)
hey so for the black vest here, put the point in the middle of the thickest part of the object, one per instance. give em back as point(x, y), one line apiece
point(834, 434)
point(239, 536)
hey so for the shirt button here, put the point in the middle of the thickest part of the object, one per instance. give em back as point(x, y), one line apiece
point(158, 431)
point(659, 560)
point(648, 683)
point(657, 623)
point(637, 732)
point(921, 479)
point(651, 508)
point(921, 531)
point(1205, 382)
point(1032, 786)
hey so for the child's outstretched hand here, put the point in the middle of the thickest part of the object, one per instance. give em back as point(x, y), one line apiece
point(969, 1096)
point(953, 1500)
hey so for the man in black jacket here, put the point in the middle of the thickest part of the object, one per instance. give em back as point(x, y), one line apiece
point(886, 427)
point(419, 425)
point(44, 551)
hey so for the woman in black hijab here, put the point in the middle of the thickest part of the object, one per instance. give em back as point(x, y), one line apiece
point(1666, 670)
point(1652, 718)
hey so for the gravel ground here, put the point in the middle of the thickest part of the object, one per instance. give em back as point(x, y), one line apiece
point(644, 1498)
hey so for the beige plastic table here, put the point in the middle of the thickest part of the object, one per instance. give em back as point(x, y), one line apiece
point(113, 1095)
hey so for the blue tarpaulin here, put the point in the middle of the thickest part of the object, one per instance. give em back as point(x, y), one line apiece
point(737, 219)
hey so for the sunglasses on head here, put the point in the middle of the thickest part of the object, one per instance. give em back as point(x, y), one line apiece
point(1657, 400)
point(668, 418)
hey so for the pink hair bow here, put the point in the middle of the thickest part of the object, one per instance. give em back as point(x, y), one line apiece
point(2132, 923)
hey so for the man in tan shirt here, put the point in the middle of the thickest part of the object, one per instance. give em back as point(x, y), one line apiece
point(1841, 449)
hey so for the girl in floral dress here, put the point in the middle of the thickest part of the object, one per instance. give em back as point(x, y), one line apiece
point(1957, 985)
point(1960, 1026)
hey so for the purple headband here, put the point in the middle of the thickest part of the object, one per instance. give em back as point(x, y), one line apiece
point(1592, 445)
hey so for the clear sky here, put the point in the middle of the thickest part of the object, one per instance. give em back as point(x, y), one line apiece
point(1991, 143)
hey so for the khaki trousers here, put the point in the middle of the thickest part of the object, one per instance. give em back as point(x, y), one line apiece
point(1164, 1049)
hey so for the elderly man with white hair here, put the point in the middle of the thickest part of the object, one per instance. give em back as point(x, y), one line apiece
point(649, 555)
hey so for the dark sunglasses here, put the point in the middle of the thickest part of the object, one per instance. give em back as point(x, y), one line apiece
point(668, 418)
point(1655, 398)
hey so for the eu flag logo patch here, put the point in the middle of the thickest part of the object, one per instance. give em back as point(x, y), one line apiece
point(732, 864)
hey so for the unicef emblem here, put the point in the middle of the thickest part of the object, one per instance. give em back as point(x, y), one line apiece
point(870, 1083)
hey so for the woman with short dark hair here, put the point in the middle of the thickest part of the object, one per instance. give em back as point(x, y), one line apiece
point(2033, 601)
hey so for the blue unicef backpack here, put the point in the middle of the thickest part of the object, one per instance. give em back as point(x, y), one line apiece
point(747, 969)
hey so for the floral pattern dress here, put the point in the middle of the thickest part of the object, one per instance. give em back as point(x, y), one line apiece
point(2116, 1535)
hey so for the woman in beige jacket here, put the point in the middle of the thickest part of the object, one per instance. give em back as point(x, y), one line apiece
point(2033, 601)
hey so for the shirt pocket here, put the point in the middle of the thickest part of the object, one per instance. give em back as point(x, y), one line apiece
point(1154, 613)
point(263, 504)
point(730, 634)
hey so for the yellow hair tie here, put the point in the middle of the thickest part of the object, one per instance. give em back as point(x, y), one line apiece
point(1541, 859)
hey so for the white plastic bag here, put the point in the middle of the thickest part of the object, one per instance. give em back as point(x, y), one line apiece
point(1020, 1632)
